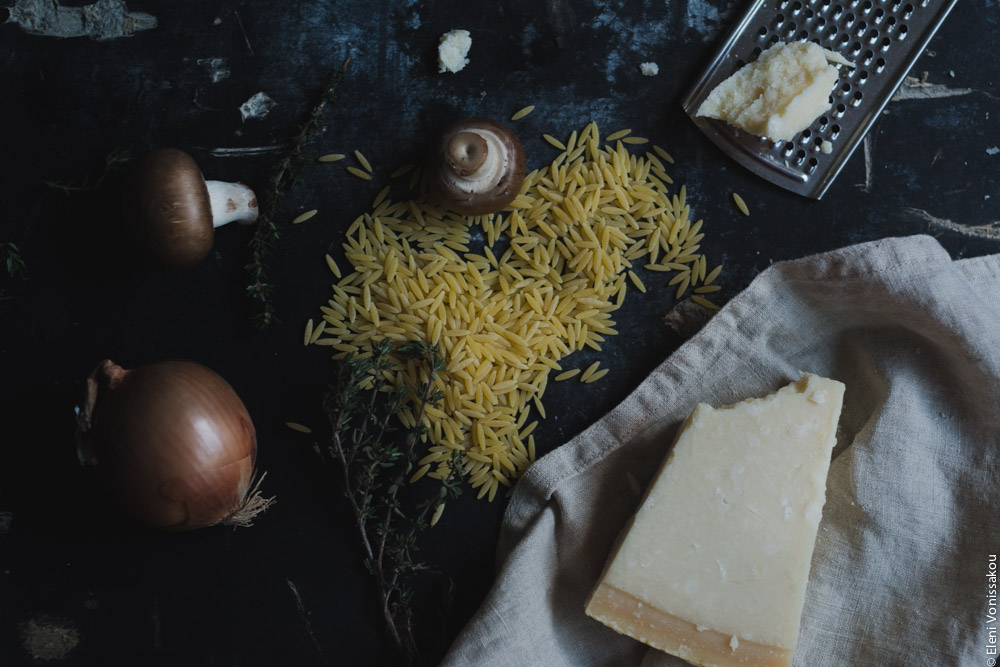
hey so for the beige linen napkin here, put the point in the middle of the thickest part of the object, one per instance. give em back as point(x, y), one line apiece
point(913, 508)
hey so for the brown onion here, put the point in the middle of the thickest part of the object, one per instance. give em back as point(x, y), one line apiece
point(175, 443)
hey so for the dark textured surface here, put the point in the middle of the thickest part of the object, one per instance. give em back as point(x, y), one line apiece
point(291, 590)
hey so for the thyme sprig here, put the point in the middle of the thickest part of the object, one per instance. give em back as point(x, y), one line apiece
point(91, 182)
point(284, 175)
point(11, 260)
point(376, 465)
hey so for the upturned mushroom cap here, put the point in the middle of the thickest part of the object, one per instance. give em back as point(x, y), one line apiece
point(477, 167)
point(170, 212)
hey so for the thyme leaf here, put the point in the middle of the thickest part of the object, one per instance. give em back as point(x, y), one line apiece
point(284, 175)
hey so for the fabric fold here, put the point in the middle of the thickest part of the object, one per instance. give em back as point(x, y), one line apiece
point(912, 496)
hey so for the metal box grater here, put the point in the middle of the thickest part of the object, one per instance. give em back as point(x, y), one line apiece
point(883, 40)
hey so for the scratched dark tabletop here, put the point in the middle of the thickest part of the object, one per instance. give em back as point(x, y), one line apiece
point(80, 584)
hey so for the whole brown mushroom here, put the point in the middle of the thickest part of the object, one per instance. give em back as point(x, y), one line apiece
point(477, 167)
point(173, 211)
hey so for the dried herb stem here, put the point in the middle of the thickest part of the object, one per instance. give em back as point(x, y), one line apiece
point(12, 261)
point(375, 467)
point(284, 175)
point(91, 182)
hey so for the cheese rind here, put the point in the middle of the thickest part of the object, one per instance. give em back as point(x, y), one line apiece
point(627, 614)
point(714, 565)
point(778, 95)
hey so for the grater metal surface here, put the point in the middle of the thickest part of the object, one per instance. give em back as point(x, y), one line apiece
point(883, 39)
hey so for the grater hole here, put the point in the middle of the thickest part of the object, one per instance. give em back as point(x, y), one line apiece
point(808, 13)
point(834, 131)
point(858, 95)
point(844, 39)
point(856, 48)
point(803, 34)
point(891, 21)
point(778, 20)
point(867, 58)
point(837, 11)
point(818, 143)
point(756, 52)
point(862, 77)
point(880, 65)
point(774, 39)
point(800, 156)
point(862, 26)
point(813, 163)
point(873, 36)
point(796, 7)
point(879, 13)
point(806, 133)
point(762, 33)
point(902, 31)
point(846, 88)
point(907, 11)
point(820, 21)
point(841, 108)
point(791, 29)
point(867, 6)
point(823, 122)
point(789, 149)
point(832, 32)
point(849, 20)
point(886, 43)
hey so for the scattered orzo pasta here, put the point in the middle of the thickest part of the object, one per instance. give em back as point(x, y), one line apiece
point(702, 301)
point(360, 173)
point(308, 333)
point(521, 113)
point(740, 204)
point(302, 217)
point(363, 161)
point(505, 307)
point(334, 269)
point(405, 169)
point(554, 142)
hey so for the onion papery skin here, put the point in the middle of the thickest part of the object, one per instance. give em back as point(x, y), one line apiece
point(175, 443)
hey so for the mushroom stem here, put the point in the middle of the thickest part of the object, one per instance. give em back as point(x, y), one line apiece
point(466, 152)
point(231, 202)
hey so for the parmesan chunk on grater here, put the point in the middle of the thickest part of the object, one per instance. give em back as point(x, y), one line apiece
point(883, 39)
point(778, 95)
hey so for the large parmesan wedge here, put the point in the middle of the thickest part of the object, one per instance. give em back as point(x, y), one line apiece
point(778, 95)
point(714, 565)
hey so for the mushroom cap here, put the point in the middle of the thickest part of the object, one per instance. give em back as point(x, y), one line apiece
point(169, 209)
point(454, 159)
